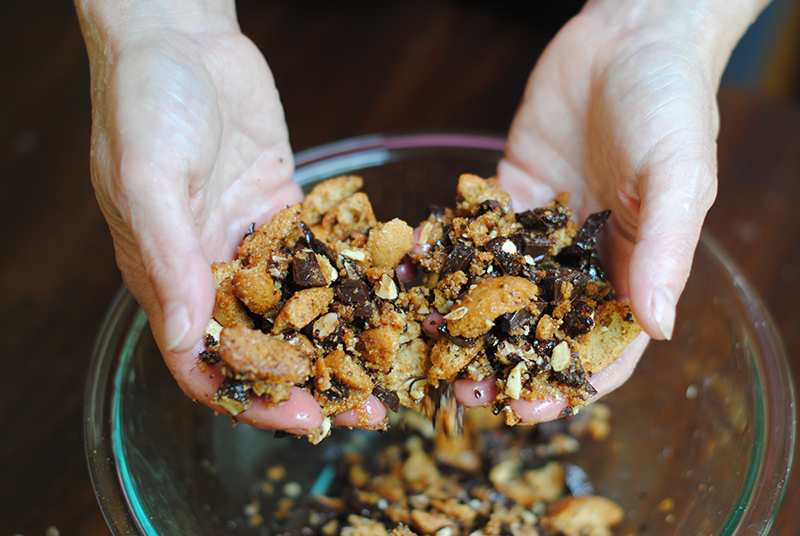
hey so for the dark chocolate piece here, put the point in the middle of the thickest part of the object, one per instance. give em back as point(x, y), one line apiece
point(505, 253)
point(459, 258)
point(490, 205)
point(306, 271)
point(464, 342)
point(209, 358)
point(543, 219)
point(235, 391)
point(316, 245)
point(554, 277)
point(579, 318)
point(531, 244)
point(352, 292)
point(388, 397)
point(511, 322)
point(581, 254)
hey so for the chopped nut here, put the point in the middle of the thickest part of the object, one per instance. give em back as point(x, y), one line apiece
point(561, 356)
point(514, 382)
point(385, 288)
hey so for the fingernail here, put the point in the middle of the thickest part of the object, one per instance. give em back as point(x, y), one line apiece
point(176, 324)
point(663, 306)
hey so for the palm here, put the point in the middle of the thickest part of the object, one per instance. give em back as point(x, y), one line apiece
point(623, 122)
point(189, 147)
point(620, 123)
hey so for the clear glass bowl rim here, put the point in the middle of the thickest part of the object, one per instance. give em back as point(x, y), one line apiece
point(778, 401)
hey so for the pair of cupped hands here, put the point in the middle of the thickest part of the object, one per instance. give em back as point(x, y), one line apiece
point(190, 146)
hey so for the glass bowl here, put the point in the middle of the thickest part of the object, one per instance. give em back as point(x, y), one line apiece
point(707, 420)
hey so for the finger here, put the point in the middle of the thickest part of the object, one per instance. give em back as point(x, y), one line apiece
point(473, 394)
point(298, 415)
point(371, 414)
point(526, 192)
point(605, 381)
point(676, 198)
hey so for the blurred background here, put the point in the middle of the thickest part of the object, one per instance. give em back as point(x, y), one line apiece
point(344, 68)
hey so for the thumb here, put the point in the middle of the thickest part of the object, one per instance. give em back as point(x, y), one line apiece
point(165, 267)
point(676, 199)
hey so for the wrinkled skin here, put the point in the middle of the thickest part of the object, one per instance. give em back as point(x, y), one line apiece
point(189, 145)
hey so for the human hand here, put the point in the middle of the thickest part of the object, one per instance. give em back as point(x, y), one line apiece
point(189, 146)
point(621, 112)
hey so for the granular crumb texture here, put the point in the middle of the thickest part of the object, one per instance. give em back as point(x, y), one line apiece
point(491, 480)
point(313, 300)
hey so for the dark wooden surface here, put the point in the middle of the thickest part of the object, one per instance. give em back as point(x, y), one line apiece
point(344, 69)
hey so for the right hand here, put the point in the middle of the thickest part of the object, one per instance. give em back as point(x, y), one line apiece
point(620, 111)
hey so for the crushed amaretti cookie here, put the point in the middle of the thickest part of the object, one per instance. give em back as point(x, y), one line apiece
point(491, 480)
point(313, 300)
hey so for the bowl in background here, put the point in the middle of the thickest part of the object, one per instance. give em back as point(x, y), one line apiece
point(707, 420)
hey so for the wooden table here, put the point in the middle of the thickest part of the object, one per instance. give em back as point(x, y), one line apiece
point(356, 68)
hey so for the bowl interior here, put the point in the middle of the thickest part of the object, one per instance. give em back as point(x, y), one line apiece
point(706, 421)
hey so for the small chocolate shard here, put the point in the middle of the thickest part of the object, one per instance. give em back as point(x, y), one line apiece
point(306, 271)
point(316, 245)
point(389, 397)
point(544, 348)
point(459, 258)
point(505, 254)
point(512, 323)
point(554, 277)
point(233, 396)
point(352, 292)
point(490, 205)
point(464, 342)
point(209, 357)
point(581, 254)
point(587, 235)
point(535, 246)
point(543, 219)
point(579, 318)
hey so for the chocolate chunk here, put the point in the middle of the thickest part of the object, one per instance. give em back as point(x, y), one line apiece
point(459, 258)
point(505, 253)
point(579, 318)
point(581, 254)
point(464, 342)
point(211, 341)
point(306, 271)
point(587, 234)
point(352, 292)
point(388, 397)
point(233, 395)
point(513, 322)
point(531, 221)
point(543, 219)
point(544, 348)
point(554, 277)
point(209, 358)
point(316, 245)
point(531, 244)
point(364, 311)
point(490, 205)
point(445, 240)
